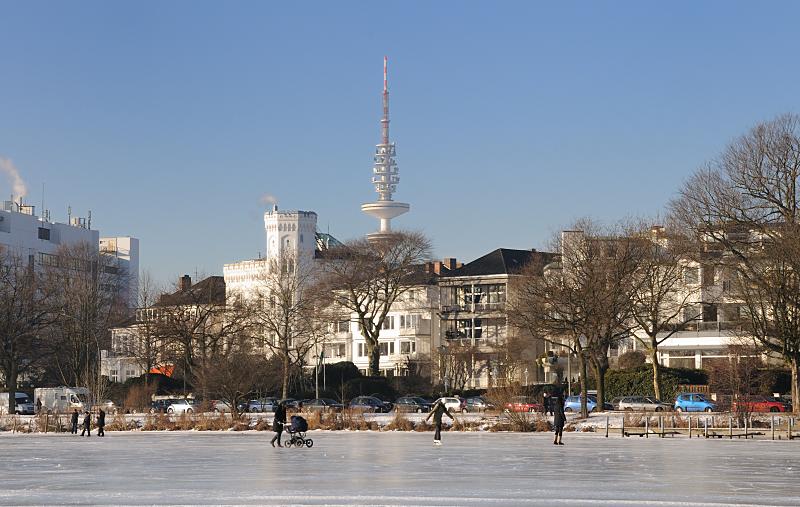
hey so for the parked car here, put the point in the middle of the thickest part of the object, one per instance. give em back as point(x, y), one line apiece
point(370, 404)
point(220, 407)
point(615, 402)
point(323, 405)
point(523, 404)
point(694, 402)
point(23, 404)
point(642, 403)
point(412, 404)
point(759, 404)
point(108, 406)
point(453, 403)
point(160, 406)
point(477, 404)
point(573, 404)
point(181, 407)
point(292, 403)
point(262, 405)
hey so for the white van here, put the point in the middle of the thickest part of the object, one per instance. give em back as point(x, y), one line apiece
point(62, 399)
point(23, 404)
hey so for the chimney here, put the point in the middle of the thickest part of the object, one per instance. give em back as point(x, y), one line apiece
point(185, 282)
point(450, 263)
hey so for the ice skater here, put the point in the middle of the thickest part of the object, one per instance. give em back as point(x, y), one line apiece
point(101, 423)
point(74, 421)
point(87, 424)
point(437, 411)
point(557, 405)
point(278, 420)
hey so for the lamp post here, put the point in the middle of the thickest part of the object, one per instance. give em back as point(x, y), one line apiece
point(526, 377)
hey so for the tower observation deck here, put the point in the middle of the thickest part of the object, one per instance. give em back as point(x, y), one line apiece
point(385, 174)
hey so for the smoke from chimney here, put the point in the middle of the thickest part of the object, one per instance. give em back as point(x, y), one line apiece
point(268, 199)
point(19, 188)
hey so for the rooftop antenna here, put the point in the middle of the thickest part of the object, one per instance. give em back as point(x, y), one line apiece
point(69, 214)
point(43, 211)
point(89, 220)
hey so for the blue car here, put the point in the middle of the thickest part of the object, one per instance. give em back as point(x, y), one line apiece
point(694, 402)
point(573, 404)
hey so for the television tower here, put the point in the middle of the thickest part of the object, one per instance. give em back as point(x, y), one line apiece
point(384, 174)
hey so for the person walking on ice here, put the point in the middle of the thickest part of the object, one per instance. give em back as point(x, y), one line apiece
point(74, 421)
point(101, 423)
point(437, 411)
point(278, 420)
point(87, 424)
point(559, 417)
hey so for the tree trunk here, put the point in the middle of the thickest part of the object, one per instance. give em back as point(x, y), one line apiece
point(374, 356)
point(285, 377)
point(584, 390)
point(600, 374)
point(656, 372)
point(11, 384)
point(795, 386)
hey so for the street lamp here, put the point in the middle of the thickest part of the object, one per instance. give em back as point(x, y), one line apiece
point(526, 377)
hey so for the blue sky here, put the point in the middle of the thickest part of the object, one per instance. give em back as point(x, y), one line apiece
point(171, 120)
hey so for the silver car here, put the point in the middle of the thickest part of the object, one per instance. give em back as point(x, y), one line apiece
point(643, 404)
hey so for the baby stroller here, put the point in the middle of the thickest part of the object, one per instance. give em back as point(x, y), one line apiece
point(297, 432)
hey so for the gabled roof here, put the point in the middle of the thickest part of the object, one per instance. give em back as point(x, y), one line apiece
point(503, 261)
point(208, 291)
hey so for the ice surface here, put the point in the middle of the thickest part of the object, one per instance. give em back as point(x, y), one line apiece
point(395, 468)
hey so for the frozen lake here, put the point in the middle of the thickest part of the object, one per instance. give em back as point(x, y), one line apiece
point(395, 468)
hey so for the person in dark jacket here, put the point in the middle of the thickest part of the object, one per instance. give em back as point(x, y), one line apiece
point(437, 411)
point(277, 424)
point(557, 404)
point(87, 424)
point(74, 421)
point(101, 423)
point(546, 405)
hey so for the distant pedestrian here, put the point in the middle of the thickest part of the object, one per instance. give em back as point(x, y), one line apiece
point(560, 418)
point(101, 423)
point(278, 420)
point(74, 421)
point(437, 411)
point(87, 424)
point(546, 405)
point(38, 405)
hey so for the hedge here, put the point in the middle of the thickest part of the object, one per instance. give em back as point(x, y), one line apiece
point(639, 381)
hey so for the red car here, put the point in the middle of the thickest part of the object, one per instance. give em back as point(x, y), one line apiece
point(758, 404)
point(523, 404)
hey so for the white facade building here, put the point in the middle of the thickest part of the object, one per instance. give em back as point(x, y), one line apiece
point(125, 250)
point(409, 332)
point(37, 239)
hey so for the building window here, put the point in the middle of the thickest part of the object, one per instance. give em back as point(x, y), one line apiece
point(388, 322)
point(407, 347)
point(409, 321)
point(361, 350)
point(113, 375)
point(691, 276)
point(387, 348)
point(44, 233)
point(342, 326)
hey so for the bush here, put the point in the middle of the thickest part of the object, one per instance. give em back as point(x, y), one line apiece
point(370, 386)
point(631, 359)
point(639, 381)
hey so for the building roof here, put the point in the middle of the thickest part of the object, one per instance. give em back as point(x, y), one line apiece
point(208, 291)
point(503, 261)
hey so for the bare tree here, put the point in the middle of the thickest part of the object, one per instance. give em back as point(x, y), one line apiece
point(146, 345)
point(196, 323)
point(289, 311)
point(232, 377)
point(89, 287)
point(26, 311)
point(746, 204)
point(661, 300)
point(583, 302)
point(367, 277)
point(459, 362)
